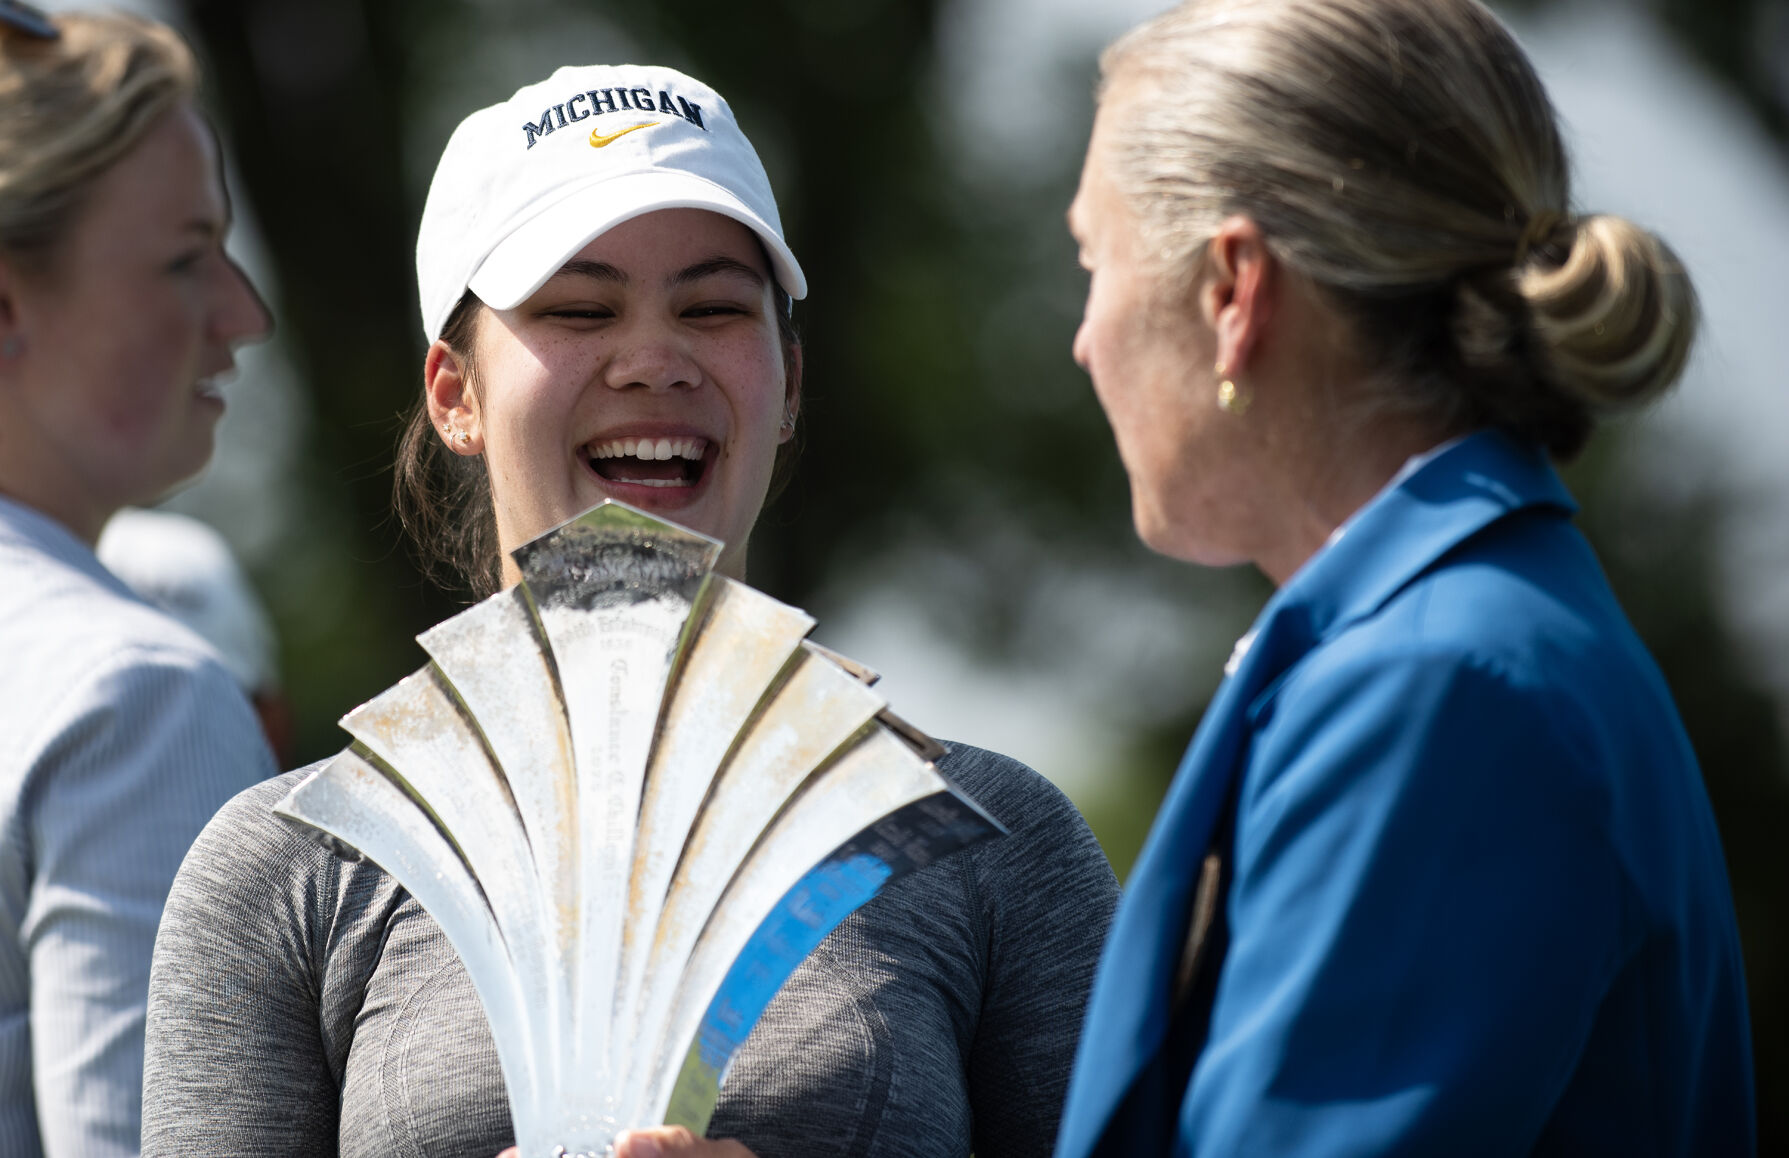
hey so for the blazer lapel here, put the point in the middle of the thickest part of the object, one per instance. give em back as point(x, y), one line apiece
point(1127, 1014)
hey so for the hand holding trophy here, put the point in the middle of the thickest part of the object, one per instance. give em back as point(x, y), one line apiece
point(667, 1142)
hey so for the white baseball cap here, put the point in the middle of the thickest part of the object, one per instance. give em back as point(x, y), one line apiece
point(524, 185)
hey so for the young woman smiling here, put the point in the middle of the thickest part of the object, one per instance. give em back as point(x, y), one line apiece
point(607, 310)
point(648, 368)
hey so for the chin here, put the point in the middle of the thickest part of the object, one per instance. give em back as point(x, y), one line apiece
point(178, 475)
point(1178, 541)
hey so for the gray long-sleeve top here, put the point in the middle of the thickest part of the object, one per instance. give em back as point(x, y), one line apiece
point(121, 733)
point(302, 1005)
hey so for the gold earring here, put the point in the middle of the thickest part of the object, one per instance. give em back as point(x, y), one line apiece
point(1232, 399)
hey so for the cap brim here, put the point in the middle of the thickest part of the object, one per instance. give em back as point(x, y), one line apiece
point(522, 262)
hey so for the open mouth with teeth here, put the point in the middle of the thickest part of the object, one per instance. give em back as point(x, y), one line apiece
point(650, 462)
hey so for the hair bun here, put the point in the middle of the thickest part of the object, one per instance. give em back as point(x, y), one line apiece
point(1614, 320)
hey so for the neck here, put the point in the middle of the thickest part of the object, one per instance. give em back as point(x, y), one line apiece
point(1323, 447)
point(36, 472)
point(1336, 478)
point(83, 518)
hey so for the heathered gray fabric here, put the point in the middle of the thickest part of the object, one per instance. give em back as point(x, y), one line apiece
point(121, 733)
point(301, 1005)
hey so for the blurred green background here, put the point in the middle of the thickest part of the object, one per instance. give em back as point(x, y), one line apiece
point(959, 518)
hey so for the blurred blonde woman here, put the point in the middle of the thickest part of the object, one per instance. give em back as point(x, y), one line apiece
point(1438, 874)
point(123, 731)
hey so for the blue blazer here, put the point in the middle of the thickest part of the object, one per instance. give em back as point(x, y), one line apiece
point(1479, 904)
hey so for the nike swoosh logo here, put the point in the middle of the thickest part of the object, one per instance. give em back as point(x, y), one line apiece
point(597, 140)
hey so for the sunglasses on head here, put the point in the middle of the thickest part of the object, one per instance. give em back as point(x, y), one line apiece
point(23, 18)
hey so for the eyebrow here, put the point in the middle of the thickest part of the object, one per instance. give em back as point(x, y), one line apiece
point(717, 265)
point(603, 271)
point(595, 270)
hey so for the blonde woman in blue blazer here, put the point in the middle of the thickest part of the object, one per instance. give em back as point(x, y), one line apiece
point(1438, 874)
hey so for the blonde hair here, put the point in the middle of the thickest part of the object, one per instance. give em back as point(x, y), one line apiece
point(70, 108)
point(1404, 156)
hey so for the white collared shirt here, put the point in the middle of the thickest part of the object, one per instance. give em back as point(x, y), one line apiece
point(121, 733)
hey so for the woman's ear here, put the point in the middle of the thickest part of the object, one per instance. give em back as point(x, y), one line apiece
point(453, 405)
point(12, 337)
point(791, 392)
point(1237, 299)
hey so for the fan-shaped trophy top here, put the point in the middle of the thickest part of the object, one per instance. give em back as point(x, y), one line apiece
point(635, 798)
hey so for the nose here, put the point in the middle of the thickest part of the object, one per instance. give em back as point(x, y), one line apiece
point(651, 354)
point(239, 316)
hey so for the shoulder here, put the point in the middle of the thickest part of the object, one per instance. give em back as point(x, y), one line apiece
point(137, 742)
point(259, 889)
point(1521, 613)
point(1524, 597)
point(1391, 693)
point(251, 869)
point(1047, 849)
point(1013, 793)
point(73, 613)
point(248, 819)
point(1475, 690)
point(166, 726)
point(1389, 712)
point(76, 647)
point(150, 670)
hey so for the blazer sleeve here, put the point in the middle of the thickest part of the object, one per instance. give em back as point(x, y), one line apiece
point(1425, 912)
point(141, 756)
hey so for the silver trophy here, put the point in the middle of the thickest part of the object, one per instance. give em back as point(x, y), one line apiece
point(635, 798)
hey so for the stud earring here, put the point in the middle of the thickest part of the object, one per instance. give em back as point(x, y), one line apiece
point(788, 421)
point(1232, 399)
point(461, 437)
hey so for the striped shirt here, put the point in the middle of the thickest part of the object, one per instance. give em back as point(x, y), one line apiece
point(121, 733)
